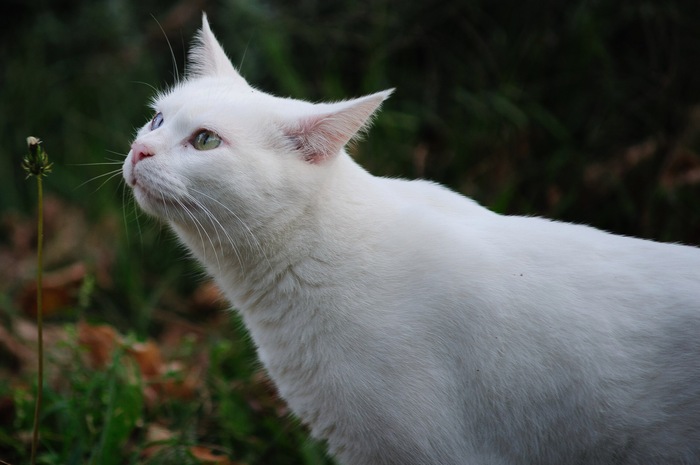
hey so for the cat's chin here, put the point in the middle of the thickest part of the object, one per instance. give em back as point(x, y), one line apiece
point(149, 203)
point(160, 204)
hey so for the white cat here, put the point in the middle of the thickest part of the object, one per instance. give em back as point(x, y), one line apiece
point(405, 323)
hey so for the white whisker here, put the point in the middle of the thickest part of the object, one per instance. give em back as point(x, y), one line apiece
point(119, 154)
point(201, 229)
point(217, 225)
point(110, 175)
point(240, 64)
point(110, 162)
point(124, 202)
point(250, 234)
point(172, 52)
point(153, 88)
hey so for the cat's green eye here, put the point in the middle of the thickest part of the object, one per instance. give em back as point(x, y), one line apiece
point(206, 140)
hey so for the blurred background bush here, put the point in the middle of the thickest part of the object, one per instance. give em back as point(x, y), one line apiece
point(582, 110)
point(586, 111)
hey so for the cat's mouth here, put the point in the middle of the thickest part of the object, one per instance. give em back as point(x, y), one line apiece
point(168, 200)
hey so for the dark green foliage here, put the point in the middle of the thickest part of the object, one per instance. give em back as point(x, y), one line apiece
point(89, 419)
point(529, 107)
point(107, 415)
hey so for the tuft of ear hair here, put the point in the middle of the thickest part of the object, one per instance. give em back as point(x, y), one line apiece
point(208, 58)
point(322, 135)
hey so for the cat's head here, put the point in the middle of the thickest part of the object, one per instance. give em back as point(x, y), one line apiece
point(217, 148)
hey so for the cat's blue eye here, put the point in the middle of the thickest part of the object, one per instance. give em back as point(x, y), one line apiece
point(157, 121)
point(206, 140)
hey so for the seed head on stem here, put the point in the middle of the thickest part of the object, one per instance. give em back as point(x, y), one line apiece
point(36, 162)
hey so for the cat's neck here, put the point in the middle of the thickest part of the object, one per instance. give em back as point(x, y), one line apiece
point(255, 264)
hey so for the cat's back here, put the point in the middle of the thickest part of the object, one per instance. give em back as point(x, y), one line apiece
point(468, 230)
point(435, 198)
point(535, 269)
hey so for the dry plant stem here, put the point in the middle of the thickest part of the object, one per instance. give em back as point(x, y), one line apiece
point(39, 317)
point(36, 163)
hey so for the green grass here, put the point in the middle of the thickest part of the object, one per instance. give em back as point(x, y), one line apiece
point(106, 416)
point(582, 111)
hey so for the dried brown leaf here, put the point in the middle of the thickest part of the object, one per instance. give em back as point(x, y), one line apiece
point(100, 341)
point(208, 456)
point(148, 357)
point(60, 290)
point(207, 299)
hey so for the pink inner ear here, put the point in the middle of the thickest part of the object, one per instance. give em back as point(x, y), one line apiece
point(323, 135)
point(318, 139)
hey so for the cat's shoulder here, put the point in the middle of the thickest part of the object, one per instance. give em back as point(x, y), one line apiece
point(435, 197)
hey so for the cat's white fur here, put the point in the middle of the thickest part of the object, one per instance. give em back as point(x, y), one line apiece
point(405, 323)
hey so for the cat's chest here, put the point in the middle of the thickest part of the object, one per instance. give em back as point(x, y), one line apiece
point(295, 343)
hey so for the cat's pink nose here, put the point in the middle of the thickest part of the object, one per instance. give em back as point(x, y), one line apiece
point(140, 151)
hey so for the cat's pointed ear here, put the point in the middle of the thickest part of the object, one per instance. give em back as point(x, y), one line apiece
point(323, 134)
point(207, 57)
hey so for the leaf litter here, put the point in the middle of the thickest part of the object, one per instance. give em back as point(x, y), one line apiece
point(171, 367)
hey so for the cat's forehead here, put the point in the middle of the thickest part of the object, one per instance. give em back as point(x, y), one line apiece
point(212, 94)
point(202, 92)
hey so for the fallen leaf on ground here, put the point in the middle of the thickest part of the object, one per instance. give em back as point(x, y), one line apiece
point(208, 456)
point(60, 290)
point(100, 341)
point(148, 357)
